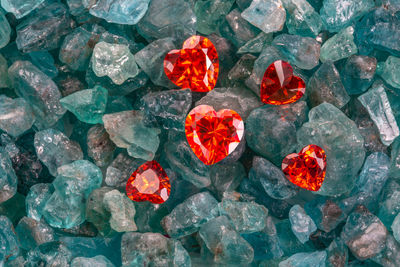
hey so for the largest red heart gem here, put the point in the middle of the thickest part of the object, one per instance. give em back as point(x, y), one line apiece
point(195, 66)
point(213, 135)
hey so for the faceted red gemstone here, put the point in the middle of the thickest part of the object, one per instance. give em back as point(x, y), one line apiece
point(149, 183)
point(213, 135)
point(306, 169)
point(279, 86)
point(195, 66)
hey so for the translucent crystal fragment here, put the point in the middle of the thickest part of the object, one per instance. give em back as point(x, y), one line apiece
point(16, 116)
point(32, 233)
point(396, 228)
point(256, 44)
point(36, 199)
point(210, 14)
point(97, 213)
point(8, 180)
point(226, 177)
point(45, 62)
point(390, 71)
point(389, 256)
point(339, 46)
point(316, 259)
point(268, 16)
point(20, 8)
point(9, 242)
point(122, 211)
point(5, 30)
point(378, 106)
point(358, 74)
point(99, 261)
point(53, 253)
point(395, 159)
point(302, 224)
point(337, 253)
point(99, 146)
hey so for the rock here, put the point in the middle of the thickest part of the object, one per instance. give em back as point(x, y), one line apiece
point(97, 213)
point(316, 259)
point(53, 253)
point(337, 253)
point(302, 224)
point(16, 115)
point(389, 205)
point(395, 159)
point(256, 44)
point(9, 243)
point(99, 261)
point(122, 211)
point(5, 30)
point(45, 62)
point(226, 177)
point(20, 8)
point(339, 46)
point(32, 233)
point(8, 180)
point(99, 146)
point(358, 74)
point(36, 200)
point(209, 14)
point(389, 71)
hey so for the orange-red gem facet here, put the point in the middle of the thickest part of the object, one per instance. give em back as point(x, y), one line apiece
point(279, 86)
point(213, 135)
point(149, 183)
point(306, 169)
point(195, 66)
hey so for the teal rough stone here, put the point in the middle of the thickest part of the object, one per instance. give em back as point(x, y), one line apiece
point(152, 249)
point(389, 205)
point(122, 211)
point(16, 115)
point(288, 242)
point(5, 30)
point(376, 101)
point(45, 62)
point(4, 80)
point(268, 16)
point(225, 243)
point(87, 105)
point(396, 228)
point(302, 224)
point(339, 46)
point(343, 144)
point(256, 44)
point(78, 10)
point(39, 91)
point(337, 14)
point(50, 254)
point(315, 259)
point(187, 217)
point(97, 213)
point(209, 14)
point(14, 208)
point(390, 71)
point(364, 234)
point(337, 253)
point(55, 149)
point(325, 85)
point(300, 51)
point(36, 199)
point(9, 245)
point(32, 233)
point(395, 159)
point(20, 8)
point(115, 61)
point(127, 130)
point(99, 146)
point(120, 11)
point(358, 74)
point(389, 256)
point(8, 180)
point(226, 177)
point(98, 261)
point(242, 69)
point(301, 18)
point(271, 179)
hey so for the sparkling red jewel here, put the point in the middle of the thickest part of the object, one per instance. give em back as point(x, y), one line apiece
point(306, 169)
point(195, 66)
point(279, 86)
point(213, 135)
point(149, 183)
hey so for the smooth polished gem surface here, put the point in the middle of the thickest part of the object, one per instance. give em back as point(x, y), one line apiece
point(306, 169)
point(279, 86)
point(149, 183)
point(195, 66)
point(213, 135)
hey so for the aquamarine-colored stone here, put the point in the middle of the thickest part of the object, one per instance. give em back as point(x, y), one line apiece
point(9, 245)
point(226, 177)
point(100, 148)
point(127, 130)
point(117, 104)
point(32, 35)
point(364, 234)
point(225, 243)
point(389, 205)
point(389, 256)
point(97, 213)
point(325, 85)
point(45, 62)
point(20, 8)
point(376, 101)
point(209, 14)
point(99, 261)
point(39, 91)
point(153, 249)
point(114, 61)
point(187, 217)
point(14, 208)
point(301, 18)
point(339, 46)
point(300, 51)
point(302, 224)
point(151, 59)
point(395, 159)
point(288, 242)
point(8, 180)
point(337, 253)
point(267, 15)
point(4, 80)
point(396, 228)
point(337, 14)
point(343, 144)
point(5, 30)
point(36, 199)
point(358, 74)
point(87, 105)
point(53, 253)
point(158, 21)
point(390, 71)
point(16, 116)
point(77, 46)
point(78, 10)
point(32, 233)
point(120, 11)
point(55, 149)
point(256, 44)
point(315, 259)
point(271, 179)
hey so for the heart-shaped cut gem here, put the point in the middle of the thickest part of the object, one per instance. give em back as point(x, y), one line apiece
point(306, 169)
point(195, 66)
point(279, 86)
point(213, 135)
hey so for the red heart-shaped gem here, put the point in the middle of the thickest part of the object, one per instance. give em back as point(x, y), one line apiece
point(213, 135)
point(279, 86)
point(149, 183)
point(306, 169)
point(195, 66)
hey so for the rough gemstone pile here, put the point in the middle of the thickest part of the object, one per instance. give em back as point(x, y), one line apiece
point(191, 133)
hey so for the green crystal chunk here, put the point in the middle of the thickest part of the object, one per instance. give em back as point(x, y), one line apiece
point(358, 74)
point(99, 146)
point(396, 228)
point(9, 248)
point(389, 205)
point(14, 208)
point(32, 233)
point(8, 179)
point(36, 199)
point(20, 8)
point(256, 44)
point(228, 246)
point(97, 213)
point(390, 71)
point(55, 149)
point(389, 256)
point(339, 46)
point(5, 30)
point(16, 116)
point(87, 105)
point(395, 159)
point(376, 102)
point(210, 13)
point(98, 261)
point(187, 217)
point(50, 254)
point(342, 142)
point(45, 62)
point(302, 224)
point(288, 242)
point(315, 259)
point(267, 15)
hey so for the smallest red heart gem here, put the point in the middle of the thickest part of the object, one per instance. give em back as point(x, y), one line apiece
point(306, 169)
point(149, 183)
point(279, 86)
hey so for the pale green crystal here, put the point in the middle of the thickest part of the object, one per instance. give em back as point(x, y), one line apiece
point(8, 179)
point(209, 14)
point(32, 233)
point(36, 199)
point(396, 228)
point(302, 224)
point(16, 115)
point(315, 259)
point(256, 44)
point(97, 213)
point(20, 8)
point(389, 205)
point(5, 30)
point(339, 46)
point(122, 211)
point(390, 71)
point(9, 247)
point(98, 261)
